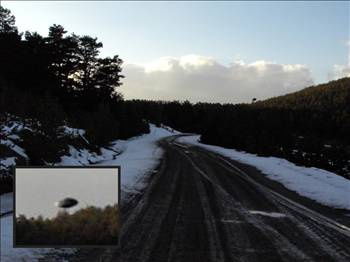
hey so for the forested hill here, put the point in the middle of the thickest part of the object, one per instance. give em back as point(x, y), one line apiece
point(326, 106)
point(310, 127)
point(333, 96)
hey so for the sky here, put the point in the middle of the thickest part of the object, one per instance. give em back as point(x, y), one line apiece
point(207, 51)
point(37, 190)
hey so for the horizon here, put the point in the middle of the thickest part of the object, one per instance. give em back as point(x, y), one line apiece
point(214, 52)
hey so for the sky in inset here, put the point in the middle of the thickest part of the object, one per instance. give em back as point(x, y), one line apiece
point(37, 189)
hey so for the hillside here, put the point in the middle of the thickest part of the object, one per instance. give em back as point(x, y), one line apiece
point(310, 127)
point(332, 97)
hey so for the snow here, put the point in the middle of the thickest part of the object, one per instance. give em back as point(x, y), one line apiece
point(9, 132)
point(13, 137)
point(268, 214)
point(14, 147)
point(12, 127)
point(9, 136)
point(9, 254)
point(73, 132)
point(79, 157)
point(320, 185)
point(136, 156)
point(5, 163)
point(139, 156)
point(6, 202)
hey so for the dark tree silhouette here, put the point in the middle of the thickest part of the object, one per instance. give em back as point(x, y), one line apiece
point(7, 21)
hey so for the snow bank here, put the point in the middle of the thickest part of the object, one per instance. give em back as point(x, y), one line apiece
point(320, 185)
point(139, 155)
point(6, 202)
point(9, 254)
point(136, 156)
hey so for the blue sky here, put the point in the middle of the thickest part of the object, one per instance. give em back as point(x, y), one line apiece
point(314, 34)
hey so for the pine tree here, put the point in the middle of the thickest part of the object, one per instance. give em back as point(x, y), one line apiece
point(7, 21)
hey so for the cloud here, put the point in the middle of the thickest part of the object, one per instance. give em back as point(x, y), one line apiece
point(340, 71)
point(199, 78)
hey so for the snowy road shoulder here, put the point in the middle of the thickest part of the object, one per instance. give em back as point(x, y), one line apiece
point(6, 203)
point(138, 156)
point(320, 185)
point(8, 253)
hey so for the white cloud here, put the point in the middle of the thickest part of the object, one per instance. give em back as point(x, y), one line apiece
point(340, 71)
point(200, 78)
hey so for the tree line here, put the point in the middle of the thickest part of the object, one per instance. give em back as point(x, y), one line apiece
point(310, 127)
point(88, 226)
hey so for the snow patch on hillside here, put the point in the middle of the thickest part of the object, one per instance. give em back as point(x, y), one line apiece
point(10, 130)
point(9, 139)
point(12, 127)
point(320, 185)
point(7, 162)
point(11, 145)
point(79, 157)
point(72, 132)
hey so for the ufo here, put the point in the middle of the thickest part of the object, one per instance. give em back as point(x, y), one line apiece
point(67, 202)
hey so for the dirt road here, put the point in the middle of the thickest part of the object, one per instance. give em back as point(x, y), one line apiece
point(200, 206)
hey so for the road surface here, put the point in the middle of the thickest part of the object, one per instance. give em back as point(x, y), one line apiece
point(200, 206)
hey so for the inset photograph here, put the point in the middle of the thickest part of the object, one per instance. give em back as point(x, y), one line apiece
point(66, 206)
